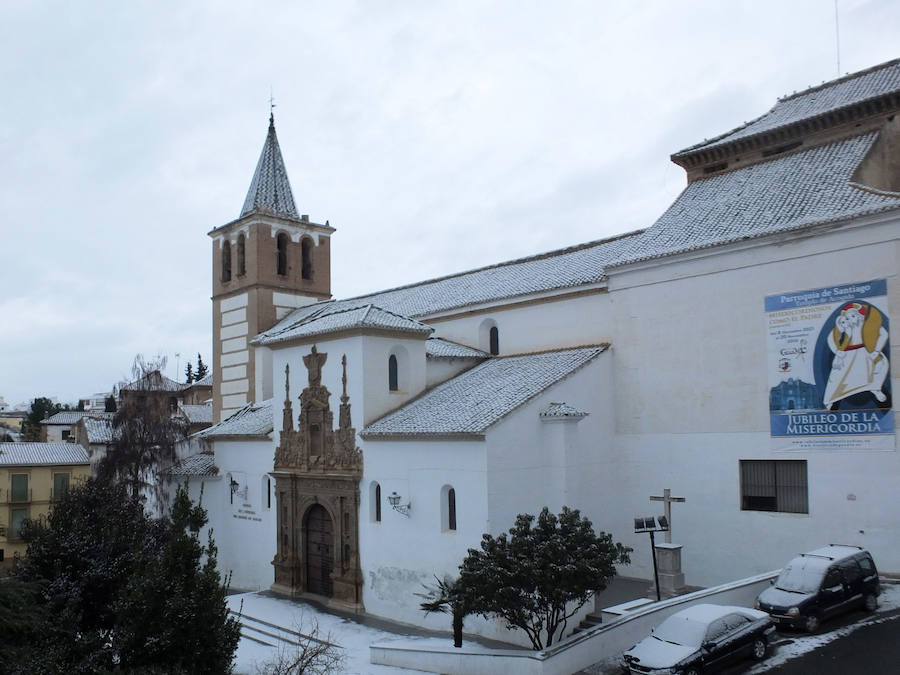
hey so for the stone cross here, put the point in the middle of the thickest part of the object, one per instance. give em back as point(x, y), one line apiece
point(667, 498)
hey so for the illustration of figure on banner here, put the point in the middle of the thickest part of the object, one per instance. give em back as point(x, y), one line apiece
point(857, 339)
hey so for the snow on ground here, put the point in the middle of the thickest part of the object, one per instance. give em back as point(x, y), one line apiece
point(354, 638)
point(888, 601)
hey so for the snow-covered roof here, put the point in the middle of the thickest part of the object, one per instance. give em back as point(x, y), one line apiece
point(333, 317)
point(69, 416)
point(270, 189)
point(254, 419)
point(99, 429)
point(785, 193)
point(197, 414)
point(556, 410)
point(439, 348)
point(32, 454)
point(555, 270)
point(153, 381)
point(201, 464)
point(471, 402)
point(204, 382)
point(814, 102)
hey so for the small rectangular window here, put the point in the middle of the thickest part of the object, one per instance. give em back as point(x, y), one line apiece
point(60, 485)
point(19, 492)
point(17, 517)
point(774, 485)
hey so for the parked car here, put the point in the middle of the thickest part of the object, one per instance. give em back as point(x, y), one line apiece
point(819, 584)
point(701, 638)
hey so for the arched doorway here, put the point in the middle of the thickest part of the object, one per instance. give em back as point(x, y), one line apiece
point(319, 545)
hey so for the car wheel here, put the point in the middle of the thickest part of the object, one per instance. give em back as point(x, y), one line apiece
point(870, 602)
point(811, 625)
point(759, 649)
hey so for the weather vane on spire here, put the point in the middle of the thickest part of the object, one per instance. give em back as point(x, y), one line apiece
point(271, 105)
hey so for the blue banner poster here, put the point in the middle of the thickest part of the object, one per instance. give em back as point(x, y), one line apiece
point(829, 375)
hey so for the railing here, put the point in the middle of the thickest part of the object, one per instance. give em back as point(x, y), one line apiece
point(17, 497)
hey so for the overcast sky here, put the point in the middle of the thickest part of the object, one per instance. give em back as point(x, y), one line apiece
point(435, 136)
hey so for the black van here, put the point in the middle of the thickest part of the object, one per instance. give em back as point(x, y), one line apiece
point(819, 584)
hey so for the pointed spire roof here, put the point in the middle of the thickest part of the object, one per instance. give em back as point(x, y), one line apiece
point(270, 189)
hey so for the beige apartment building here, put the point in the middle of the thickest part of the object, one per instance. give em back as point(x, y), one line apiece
point(32, 477)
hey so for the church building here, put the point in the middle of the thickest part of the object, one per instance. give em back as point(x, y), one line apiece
point(735, 352)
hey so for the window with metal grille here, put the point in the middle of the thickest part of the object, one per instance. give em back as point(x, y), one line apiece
point(281, 243)
point(242, 255)
point(774, 485)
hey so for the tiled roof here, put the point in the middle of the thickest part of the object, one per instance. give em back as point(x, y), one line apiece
point(197, 414)
point(270, 189)
point(561, 411)
point(99, 430)
point(205, 382)
point(471, 402)
point(831, 96)
point(254, 419)
point(153, 381)
point(201, 464)
point(439, 348)
point(785, 193)
point(31, 454)
point(565, 268)
point(331, 317)
point(72, 416)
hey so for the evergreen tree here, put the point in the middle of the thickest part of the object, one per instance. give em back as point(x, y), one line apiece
point(119, 591)
point(189, 373)
point(540, 574)
point(202, 370)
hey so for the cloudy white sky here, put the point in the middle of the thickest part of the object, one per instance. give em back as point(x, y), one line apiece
point(435, 136)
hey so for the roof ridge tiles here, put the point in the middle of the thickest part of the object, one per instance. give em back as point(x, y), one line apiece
point(839, 80)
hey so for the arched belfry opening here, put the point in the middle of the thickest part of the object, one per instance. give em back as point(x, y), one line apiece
point(317, 472)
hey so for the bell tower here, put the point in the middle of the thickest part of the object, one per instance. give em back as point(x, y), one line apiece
point(266, 263)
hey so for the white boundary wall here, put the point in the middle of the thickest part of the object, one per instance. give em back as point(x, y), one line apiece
point(602, 644)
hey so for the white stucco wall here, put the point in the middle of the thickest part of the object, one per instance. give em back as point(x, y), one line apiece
point(441, 370)
point(243, 523)
point(536, 326)
point(400, 554)
point(692, 391)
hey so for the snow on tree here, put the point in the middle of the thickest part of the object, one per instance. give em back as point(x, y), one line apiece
point(539, 575)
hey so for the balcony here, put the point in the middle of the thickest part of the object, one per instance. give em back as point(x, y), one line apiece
point(15, 496)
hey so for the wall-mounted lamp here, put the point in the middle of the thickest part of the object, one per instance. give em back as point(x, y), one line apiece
point(394, 500)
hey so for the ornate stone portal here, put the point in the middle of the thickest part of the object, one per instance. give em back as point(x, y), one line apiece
point(317, 474)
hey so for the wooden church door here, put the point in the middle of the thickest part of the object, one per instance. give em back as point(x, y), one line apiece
point(319, 550)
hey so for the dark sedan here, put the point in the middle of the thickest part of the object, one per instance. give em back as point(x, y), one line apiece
point(701, 638)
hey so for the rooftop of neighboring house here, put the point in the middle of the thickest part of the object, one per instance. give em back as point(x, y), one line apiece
point(70, 417)
point(153, 381)
point(37, 454)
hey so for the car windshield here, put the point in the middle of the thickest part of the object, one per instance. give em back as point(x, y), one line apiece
point(682, 631)
point(800, 578)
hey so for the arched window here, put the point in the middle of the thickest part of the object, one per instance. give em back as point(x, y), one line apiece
point(281, 253)
point(226, 260)
point(448, 509)
point(495, 341)
point(242, 257)
point(393, 384)
point(375, 502)
point(306, 265)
